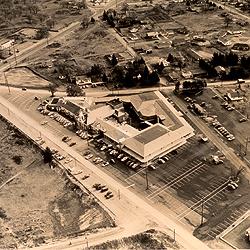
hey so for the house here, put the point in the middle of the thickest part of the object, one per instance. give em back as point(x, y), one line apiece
point(4, 45)
point(220, 70)
point(83, 81)
point(234, 96)
point(186, 74)
point(152, 35)
point(199, 73)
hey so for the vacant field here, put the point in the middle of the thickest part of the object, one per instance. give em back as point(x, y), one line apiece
point(23, 77)
point(150, 239)
point(39, 205)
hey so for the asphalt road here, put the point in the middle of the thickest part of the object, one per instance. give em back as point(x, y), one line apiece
point(132, 213)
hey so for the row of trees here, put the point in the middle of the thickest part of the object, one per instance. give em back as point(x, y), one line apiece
point(236, 67)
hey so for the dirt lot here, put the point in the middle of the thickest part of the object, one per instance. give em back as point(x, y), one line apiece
point(24, 77)
point(78, 52)
point(39, 204)
point(150, 239)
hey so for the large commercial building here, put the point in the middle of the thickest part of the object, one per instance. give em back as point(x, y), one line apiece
point(145, 126)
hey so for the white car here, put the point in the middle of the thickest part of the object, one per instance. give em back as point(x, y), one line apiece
point(247, 234)
point(152, 167)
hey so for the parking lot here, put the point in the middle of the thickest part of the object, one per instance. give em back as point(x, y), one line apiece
point(180, 183)
point(184, 188)
point(237, 236)
point(230, 120)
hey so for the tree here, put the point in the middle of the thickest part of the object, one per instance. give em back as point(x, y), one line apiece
point(42, 33)
point(170, 58)
point(177, 86)
point(47, 156)
point(52, 89)
point(73, 90)
point(104, 78)
point(228, 20)
point(114, 60)
point(85, 23)
point(154, 78)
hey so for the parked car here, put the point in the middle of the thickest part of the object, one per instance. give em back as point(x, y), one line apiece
point(104, 189)
point(72, 144)
point(161, 161)
point(243, 119)
point(105, 164)
point(112, 161)
point(151, 167)
point(247, 234)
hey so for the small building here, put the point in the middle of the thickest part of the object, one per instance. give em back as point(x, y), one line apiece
point(220, 70)
point(152, 35)
point(83, 80)
point(186, 74)
point(6, 45)
point(234, 96)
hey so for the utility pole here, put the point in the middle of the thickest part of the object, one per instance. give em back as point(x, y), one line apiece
point(246, 146)
point(202, 211)
point(14, 50)
point(146, 178)
point(119, 194)
point(6, 82)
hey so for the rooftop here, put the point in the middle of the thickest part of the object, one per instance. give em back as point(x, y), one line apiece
point(150, 134)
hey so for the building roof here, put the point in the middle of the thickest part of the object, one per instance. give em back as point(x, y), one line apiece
point(150, 134)
point(71, 107)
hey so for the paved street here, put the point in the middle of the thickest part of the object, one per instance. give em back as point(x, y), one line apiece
point(139, 213)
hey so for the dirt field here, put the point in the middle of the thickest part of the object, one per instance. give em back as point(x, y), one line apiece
point(150, 239)
point(23, 77)
point(39, 205)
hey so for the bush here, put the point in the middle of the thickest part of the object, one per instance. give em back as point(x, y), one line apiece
point(17, 159)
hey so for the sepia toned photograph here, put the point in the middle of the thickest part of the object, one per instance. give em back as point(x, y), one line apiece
point(124, 124)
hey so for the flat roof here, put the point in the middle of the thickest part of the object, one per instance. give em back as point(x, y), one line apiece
point(151, 134)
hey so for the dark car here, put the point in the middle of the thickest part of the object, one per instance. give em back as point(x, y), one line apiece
point(104, 189)
point(72, 144)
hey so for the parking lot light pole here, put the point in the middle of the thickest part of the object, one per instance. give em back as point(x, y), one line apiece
point(202, 211)
point(147, 187)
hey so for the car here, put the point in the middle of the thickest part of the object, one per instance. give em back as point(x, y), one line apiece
point(104, 189)
point(247, 234)
point(85, 177)
point(99, 161)
point(96, 185)
point(108, 193)
point(109, 196)
point(215, 97)
point(100, 187)
point(120, 156)
point(36, 98)
point(124, 159)
point(64, 138)
point(24, 89)
point(105, 164)
point(151, 167)
point(135, 165)
point(72, 144)
point(230, 108)
point(165, 158)
point(203, 104)
point(103, 148)
point(44, 122)
point(232, 185)
point(161, 161)
point(243, 119)
point(112, 161)
point(88, 156)
point(231, 138)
